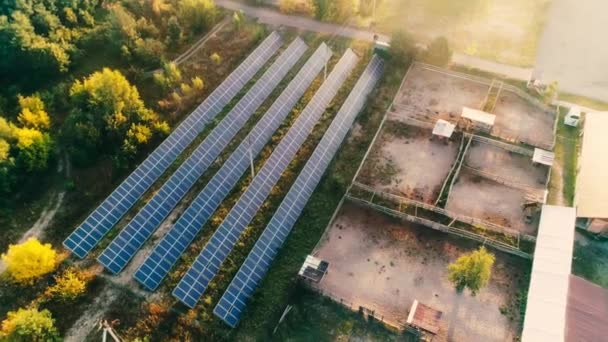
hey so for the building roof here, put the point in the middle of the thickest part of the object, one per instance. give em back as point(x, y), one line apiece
point(478, 116)
point(587, 313)
point(543, 157)
point(592, 188)
point(548, 294)
point(424, 317)
point(443, 128)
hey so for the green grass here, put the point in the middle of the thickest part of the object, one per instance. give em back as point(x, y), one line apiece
point(567, 145)
point(584, 101)
point(317, 318)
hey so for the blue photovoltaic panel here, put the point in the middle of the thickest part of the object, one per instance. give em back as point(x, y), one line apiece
point(100, 221)
point(233, 301)
point(174, 243)
point(208, 262)
point(116, 256)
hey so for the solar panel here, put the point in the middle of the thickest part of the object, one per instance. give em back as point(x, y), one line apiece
point(233, 301)
point(208, 262)
point(106, 215)
point(174, 243)
point(120, 251)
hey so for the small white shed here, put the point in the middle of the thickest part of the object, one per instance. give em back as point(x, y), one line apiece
point(478, 119)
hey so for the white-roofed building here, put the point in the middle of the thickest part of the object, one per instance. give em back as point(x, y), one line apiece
point(548, 294)
point(591, 199)
point(478, 119)
point(443, 128)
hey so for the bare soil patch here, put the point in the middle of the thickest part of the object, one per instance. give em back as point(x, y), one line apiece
point(488, 200)
point(383, 264)
point(438, 94)
point(519, 120)
point(507, 165)
point(409, 162)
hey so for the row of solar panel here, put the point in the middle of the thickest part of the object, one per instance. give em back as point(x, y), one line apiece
point(207, 264)
point(104, 217)
point(116, 256)
point(233, 301)
point(173, 244)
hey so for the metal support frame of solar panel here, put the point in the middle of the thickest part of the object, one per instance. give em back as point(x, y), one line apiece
point(253, 269)
point(109, 212)
point(120, 251)
point(208, 262)
point(166, 253)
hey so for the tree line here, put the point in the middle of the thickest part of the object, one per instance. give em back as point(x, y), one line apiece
point(65, 66)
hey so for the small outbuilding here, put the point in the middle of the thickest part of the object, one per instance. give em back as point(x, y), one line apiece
point(444, 128)
point(313, 269)
point(477, 119)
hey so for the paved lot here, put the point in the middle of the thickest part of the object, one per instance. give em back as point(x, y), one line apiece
point(573, 48)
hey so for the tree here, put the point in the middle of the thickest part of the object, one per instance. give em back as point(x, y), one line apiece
point(402, 48)
point(69, 285)
point(32, 113)
point(237, 20)
point(4, 150)
point(34, 149)
point(174, 31)
point(472, 270)
point(438, 52)
point(216, 58)
point(105, 107)
point(169, 77)
point(30, 260)
point(198, 84)
point(550, 93)
point(29, 325)
point(197, 15)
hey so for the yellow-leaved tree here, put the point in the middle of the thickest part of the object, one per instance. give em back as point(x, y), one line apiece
point(29, 325)
point(30, 260)
point(69, 285)
point(32, 113)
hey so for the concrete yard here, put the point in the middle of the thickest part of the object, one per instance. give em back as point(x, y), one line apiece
point(383, 264)
point(521, 121)
point(408, 162)
point(507, 165)
point(481, 198)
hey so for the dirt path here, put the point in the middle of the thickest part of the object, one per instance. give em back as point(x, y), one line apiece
point(90, 318)
point(49, 211)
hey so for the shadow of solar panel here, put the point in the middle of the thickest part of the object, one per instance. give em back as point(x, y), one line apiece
point(173, 244)
point(206, 265)
point(120, 251)
point(233, 301)
point(109, 212)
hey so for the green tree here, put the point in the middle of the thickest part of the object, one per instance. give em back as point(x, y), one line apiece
point(403, 48)
point(32, 113)
point(174, 31)
point(472, 270)
point(105, 107)
point(197, 15)
point(438, 52)
point(29, 325)
point(169, 77)
point(34, 149)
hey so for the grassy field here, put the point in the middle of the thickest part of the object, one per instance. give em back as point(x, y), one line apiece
point(584, 101)
point(504, 31)
point(563, 174)
point(316, 318)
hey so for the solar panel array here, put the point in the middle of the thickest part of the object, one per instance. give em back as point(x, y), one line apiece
point(174, 243)
point(208, 262)
point(233, 301)
point(106, 215)
point(116, 256)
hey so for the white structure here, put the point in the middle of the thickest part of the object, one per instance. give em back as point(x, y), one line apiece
point(543, 157)
point(479, 119)
point(443, 128)
point(591, 199)
point(573, 117)
point(548, 294)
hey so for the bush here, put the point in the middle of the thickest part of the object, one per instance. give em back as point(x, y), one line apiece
point(438, 52)
point(29, 325)
point(472, 270)
point(30, 260)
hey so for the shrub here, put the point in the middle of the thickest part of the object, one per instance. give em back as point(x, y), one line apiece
point(30, 260)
